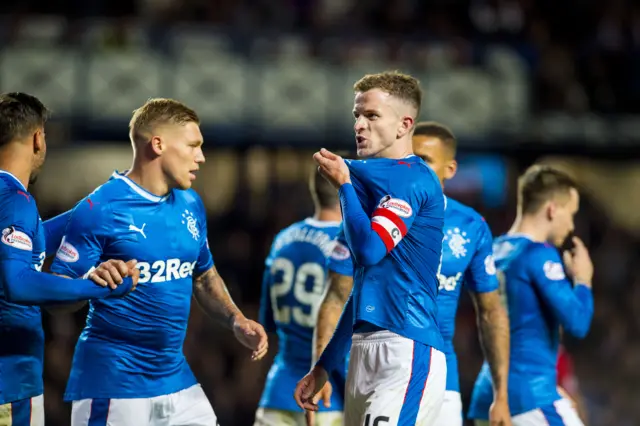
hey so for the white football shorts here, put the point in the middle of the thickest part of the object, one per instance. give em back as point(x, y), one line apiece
point(393, 381)
point(187, 407)
point(25, 412)
point(451, 410)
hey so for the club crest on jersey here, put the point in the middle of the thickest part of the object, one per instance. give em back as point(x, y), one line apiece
point(192, 224)
point(67, 252)
point(17, 239)
point(553, 270)
point(340, 251)
point(395, 205)
point(457, 241)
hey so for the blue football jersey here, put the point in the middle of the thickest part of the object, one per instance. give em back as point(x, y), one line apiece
point(21, 334)
point(132, 347)
point(540, 299)
point(466, 258)
point(292, 290)
point(405, 202)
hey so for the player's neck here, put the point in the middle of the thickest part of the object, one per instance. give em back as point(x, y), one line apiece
point(328, 215)
point(396, 151)
point(150, 179)
point(16, 163)
point(530, 226)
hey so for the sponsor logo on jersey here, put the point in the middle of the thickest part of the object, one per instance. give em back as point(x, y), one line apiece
point(553, 270)
point(340, 251)
point(164, 270)
point(67, 252)
point(396, 205)
point(17, 239)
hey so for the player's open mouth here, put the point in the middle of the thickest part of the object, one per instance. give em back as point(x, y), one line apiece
point(360, 140)
point(192, 174)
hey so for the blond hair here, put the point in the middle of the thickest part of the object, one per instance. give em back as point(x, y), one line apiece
point(399, 85)
point(159, 111)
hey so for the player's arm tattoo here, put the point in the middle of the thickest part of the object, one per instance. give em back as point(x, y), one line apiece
point(493, 324)
point(213, 297)
point(330, 310)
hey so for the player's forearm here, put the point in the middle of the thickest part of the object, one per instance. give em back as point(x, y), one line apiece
point(214, 298)
point(493, 326)
point(25, 286)
point(330, 310)
point(365, 244)
point(336, 350)
point(575, 310)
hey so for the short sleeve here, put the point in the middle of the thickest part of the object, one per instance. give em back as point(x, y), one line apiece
point(205, 259)
point(480, 276)
point(19, 224)
point(84, 239)
point(340, 260)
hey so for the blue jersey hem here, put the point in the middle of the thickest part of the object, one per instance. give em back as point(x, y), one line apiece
point(130, 394)
point(8, 398)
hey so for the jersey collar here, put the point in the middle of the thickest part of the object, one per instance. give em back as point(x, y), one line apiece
point(4, 172)
point(320, 223)
point(138, 189)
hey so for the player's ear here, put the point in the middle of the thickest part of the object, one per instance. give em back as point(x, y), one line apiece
point(450, 169)
point(406, 125)
point(38, 141)
point(550, 210)
point(157, 145)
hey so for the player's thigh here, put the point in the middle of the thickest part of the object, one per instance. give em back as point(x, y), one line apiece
point(273, 417)
point(25, 412)
point(111, 412)
point(192, 408)
point(559, 413)
point(393, 381)
point(450, 411)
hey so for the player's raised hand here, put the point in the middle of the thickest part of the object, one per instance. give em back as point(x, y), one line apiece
point(252, 335)
point(112, 272)
point(578, 262)
point(332, 167)
point(499, 414)
point(308, 387)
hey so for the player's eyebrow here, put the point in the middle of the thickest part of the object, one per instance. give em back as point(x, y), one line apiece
point(196, 143)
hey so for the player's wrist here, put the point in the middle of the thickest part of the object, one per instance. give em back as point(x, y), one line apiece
point(582, 281)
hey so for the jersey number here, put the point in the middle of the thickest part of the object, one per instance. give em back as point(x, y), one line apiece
point(297, 280)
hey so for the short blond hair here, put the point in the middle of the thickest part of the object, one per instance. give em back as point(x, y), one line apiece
point(159, 111)
point(395, 83)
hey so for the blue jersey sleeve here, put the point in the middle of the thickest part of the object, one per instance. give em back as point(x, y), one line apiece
point(571, 305)
point(480, 276)
point(205, 259)
point(85, 237)
point(340, 258)
point(266, 310)
point(19, 281)
point(54, 231)
point(370, 239)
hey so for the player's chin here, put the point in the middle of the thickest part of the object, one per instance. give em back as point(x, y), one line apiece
point(186, 183)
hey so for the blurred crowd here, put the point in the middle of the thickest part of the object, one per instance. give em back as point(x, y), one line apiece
point(607, 362)
point(583, 55)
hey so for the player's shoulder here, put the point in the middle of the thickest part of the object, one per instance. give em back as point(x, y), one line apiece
point(331, 228)
point(12, 193)
point(457, 212)
point(524, 249)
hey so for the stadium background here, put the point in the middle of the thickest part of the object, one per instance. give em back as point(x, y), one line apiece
point(517, 80)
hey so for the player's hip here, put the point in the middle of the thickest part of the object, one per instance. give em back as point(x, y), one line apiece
point(119, 384)
point(23, 412)
point(273, 417)
point(559, 413)
point(188, 406)
point(393, 379)
point(451, 411)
